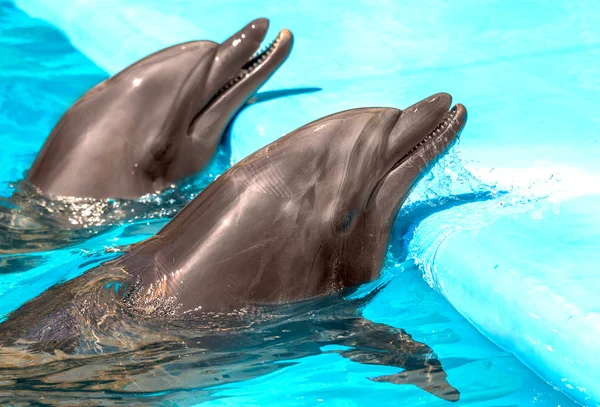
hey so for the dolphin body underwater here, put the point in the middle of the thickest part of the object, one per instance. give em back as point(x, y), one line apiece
point(157, 121)
point(294, 226)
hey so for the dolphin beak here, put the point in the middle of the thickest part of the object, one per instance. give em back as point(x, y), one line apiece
point(418, 121)
point(423, 133)
point(235, 51)
point(238, 69)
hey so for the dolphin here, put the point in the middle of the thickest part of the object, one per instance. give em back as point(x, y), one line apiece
point(303, 220)
point(307, 215)
point(157, 121)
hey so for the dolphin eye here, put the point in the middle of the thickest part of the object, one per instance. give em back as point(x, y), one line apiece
point(163, 153)
point(157, 161)
point(347, 222)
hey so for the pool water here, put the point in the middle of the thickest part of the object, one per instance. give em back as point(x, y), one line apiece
point(513, 78)
point(41, 75)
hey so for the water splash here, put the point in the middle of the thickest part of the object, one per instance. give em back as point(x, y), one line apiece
point(31, 222)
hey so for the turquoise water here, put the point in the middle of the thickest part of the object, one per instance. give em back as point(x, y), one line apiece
point(40, 76)
point(517, 267)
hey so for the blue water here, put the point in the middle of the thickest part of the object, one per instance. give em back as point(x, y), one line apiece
point(40, 76)
point(520, 268)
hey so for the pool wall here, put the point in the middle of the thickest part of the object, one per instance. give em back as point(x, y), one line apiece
point(522, 267)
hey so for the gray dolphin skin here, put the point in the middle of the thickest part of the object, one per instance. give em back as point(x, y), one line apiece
point(307, 215)
point(157, 121)
point(301, 221)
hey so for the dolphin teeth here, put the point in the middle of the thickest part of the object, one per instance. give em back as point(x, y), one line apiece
point(436, 133)
point(259, 57)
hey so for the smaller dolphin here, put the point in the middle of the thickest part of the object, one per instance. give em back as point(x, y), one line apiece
point(304, 218)
point(157, 121)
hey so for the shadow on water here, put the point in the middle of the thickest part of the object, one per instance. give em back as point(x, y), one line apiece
point(262, 97)
point(276, 94)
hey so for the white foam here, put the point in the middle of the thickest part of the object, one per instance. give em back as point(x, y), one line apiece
point(554, 183)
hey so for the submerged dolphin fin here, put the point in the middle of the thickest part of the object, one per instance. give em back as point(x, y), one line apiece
point(379, 344)
point(430, 378)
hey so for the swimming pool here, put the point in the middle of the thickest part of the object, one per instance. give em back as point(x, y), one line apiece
point(514, 72)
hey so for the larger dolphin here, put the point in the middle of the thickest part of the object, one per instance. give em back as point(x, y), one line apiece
point(157, 121)
point(307, 216)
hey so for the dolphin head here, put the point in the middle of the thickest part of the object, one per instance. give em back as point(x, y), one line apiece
point(307, 215)
point(352, 171)
point(157, 121)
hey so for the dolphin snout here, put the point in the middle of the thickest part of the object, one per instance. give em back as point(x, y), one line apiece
point(260, 24)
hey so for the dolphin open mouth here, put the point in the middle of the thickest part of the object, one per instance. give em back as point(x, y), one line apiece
point(422, 134)
point(443, 135)
point(444, 127)
point(276, 51)
point(255, 66)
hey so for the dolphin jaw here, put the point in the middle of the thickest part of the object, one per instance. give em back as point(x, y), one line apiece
point(447, 130)
point(438, 131)
point(257, 60)
point(276, 49)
